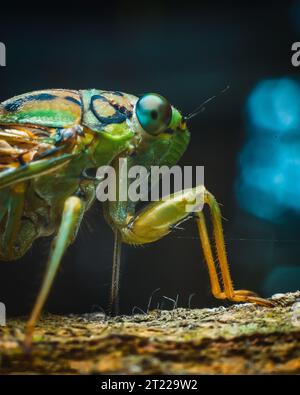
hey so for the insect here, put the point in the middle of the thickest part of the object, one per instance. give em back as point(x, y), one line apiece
point(48, 141)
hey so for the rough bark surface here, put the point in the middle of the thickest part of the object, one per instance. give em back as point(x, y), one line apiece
point(241, 339)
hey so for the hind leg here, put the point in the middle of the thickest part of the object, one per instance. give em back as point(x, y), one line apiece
point(229, 291)
point(72, 215)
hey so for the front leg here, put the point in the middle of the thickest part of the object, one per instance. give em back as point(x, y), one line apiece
point(158, 219)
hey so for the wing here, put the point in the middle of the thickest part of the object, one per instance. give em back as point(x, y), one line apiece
point(34, 169)
point(22, 145)
point(54, 108)
point(19, 146)
point(27, 153)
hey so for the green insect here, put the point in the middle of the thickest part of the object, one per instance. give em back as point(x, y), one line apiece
point(48, 141)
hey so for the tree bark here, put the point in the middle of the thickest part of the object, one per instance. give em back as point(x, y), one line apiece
point(240, 339)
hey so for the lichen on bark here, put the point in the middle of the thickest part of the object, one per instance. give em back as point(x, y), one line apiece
point(240, 339)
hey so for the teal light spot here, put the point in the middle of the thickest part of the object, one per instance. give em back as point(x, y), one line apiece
point(274, 105)
point(269, 179)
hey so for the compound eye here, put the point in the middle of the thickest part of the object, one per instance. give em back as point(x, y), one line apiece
point(154, 113)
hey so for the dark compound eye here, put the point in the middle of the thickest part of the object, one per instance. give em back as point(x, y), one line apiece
point(154, 113)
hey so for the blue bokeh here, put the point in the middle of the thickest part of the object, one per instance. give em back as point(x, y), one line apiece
point(269, 163)
point(274, 106)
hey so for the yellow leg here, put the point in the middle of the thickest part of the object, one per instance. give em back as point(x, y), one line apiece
point(158, 219)
point(229, 292)
point(71, 219)
point(213, 275)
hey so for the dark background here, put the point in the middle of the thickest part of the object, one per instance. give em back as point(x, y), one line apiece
point(187, 52)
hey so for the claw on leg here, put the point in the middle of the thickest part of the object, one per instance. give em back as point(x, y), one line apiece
point(251, 299)
point(245, 292)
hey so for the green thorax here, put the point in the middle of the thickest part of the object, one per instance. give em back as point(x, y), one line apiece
point(163, 150)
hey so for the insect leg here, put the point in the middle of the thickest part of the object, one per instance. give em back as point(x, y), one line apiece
point(210, 262)
point(14, 214)
point(158, 219)
point(229, 292)
point(213, 275)
point(70, 222)
point(116, 268)
point(33, 169)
